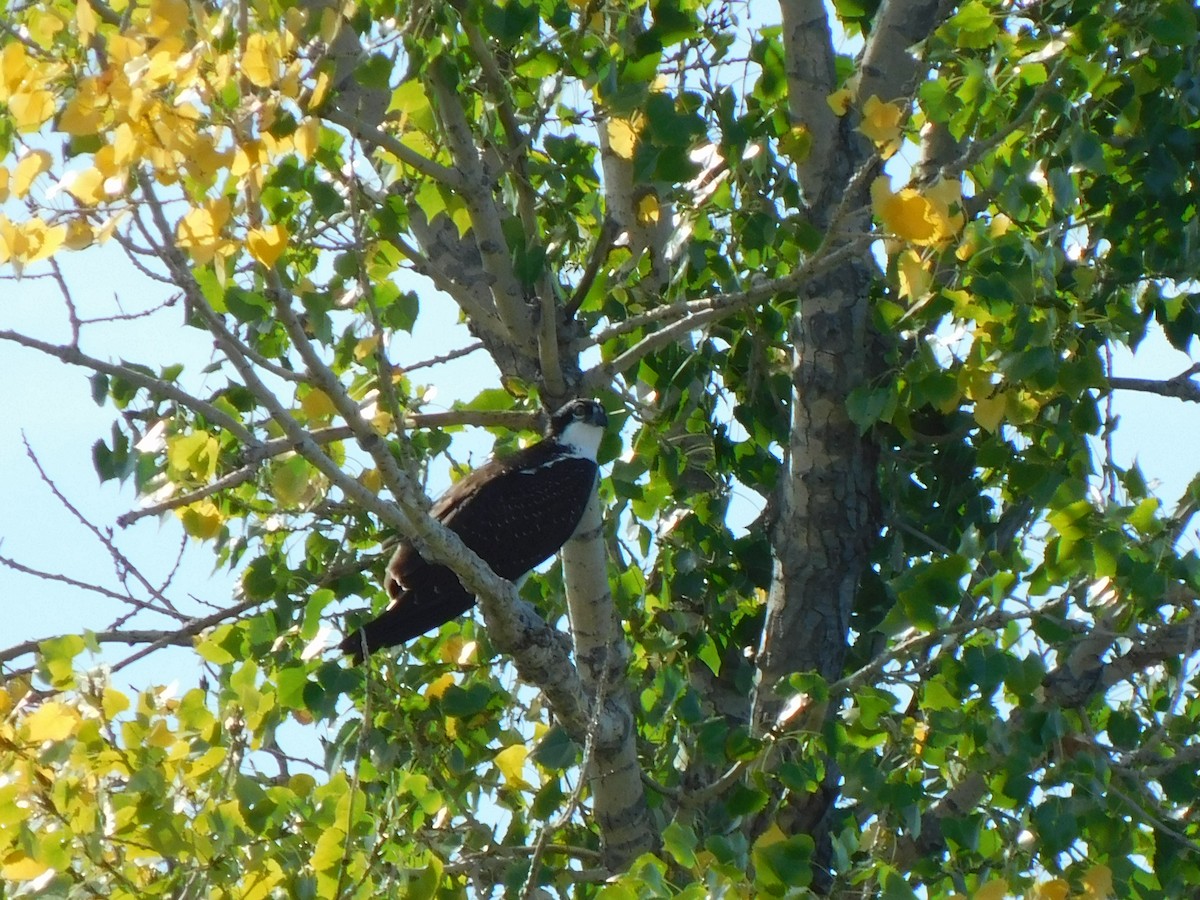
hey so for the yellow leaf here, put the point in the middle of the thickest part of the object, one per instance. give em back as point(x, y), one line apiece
point(201, 519)
point(946, 213)
point(87, 21)
point(160, 736)
point(200, 230)
point(52, 721)
point(79, 235)
point(366, 346)
point(1054, 889)
point(372, 480)
point(42, 240)
point(317, 405)
point(320, 90)
point(84, 112)
point(261, 61)
point(996, 889)
point(14, 67)
point(915, 276)
point(881, 123)
point(999, 226)
point(31, 109)
point(4, 184)
point(383, 422)
point(30, 167)
point(86, 186)
point(924, 219)
point(989, 411)
point(1097, 883)
point(647, 209)
point(113, 703)
point(8, 239)
point(307, 137)
point(622, 137)
point(19, 867)
point(511, 761)
point(267, 244)
point(168, 18)
point(436, 688)
point(839, 101)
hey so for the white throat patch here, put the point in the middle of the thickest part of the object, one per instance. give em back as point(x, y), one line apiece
point(582, 439)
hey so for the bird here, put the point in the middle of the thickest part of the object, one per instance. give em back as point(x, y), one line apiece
point(514, 511)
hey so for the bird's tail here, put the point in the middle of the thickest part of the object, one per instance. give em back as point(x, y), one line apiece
point(413, 612)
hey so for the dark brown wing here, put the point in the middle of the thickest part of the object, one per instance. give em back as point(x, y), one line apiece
point(406, 562)
point(521, 519)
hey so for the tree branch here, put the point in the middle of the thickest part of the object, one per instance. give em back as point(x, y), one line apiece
point(1181, 386)
point(76, 357)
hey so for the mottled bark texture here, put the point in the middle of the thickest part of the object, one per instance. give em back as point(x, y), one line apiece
point(828, 499)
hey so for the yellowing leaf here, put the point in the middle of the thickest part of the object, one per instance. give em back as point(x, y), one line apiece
point(267, 244)
point(881, 123)
point(646, 209)
point(922, 219)
point(383, 422)
point(168, 18)
point(200, 230)
point(307, 137)
point(372, 480)
point(1097, 883)
point(31, 109)
point(511, 762)
point(989, 412)
point(902, 214)
point(201, 519)
point(622, 137)
point(366, 346)
point(915, 275)
point(113, 703)
point(42, 240)
point(317, 405)
point(30, 167)
point(290, 480)
point(19, 867)
point(436, 688)
point(320, 90)
point(87, 21)
point(14, 68)
point(839, 101)
point(261, 62)
point(946, 213)
point(996, 889)
point(79, 235)
point(1054, 889)
point(4, 183)
point(52, 721)
point(86, 186)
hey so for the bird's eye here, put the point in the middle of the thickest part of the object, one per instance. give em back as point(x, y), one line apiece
point(578, 412)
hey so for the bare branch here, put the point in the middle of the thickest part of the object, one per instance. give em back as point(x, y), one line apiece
point(476, 189)
point(123, 565)
point(76, 357)
point(1180, 386)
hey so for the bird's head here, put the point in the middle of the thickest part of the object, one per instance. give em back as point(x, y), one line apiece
point(579, 426)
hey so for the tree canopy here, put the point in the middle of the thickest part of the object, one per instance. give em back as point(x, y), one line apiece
point(851, 272)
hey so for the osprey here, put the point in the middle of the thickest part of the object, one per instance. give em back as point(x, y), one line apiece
point(515, 512)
